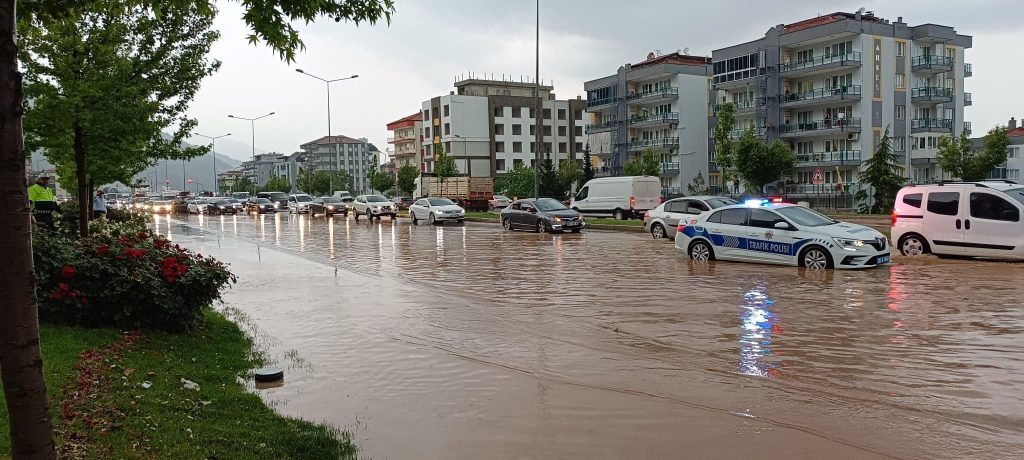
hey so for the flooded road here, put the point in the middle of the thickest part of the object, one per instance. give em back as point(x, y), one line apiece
point(469, 342)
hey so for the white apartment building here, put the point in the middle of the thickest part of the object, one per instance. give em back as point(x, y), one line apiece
point(263, 168)
point(341, 153)
point(661, 104)
point(489, 127)
point(830, 86)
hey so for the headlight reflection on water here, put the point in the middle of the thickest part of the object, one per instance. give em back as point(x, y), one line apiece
point(758, 322)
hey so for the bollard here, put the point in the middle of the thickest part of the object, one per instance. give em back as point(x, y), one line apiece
point(259, 256)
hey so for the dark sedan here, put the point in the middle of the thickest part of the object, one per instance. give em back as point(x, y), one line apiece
point(259, 206)
point(221, 207)
point(541, 215)
point(180, 205)
point(328, 206)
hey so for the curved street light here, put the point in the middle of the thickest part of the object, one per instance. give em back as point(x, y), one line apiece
point(330, 145)
point(213, 150)
point(252, 124)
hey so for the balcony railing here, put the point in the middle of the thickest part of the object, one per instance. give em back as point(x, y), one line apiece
point(661, 143)
point(667, 92)
point(670, 191)
point(825, 157)
point(967, 128)
point(738, 133)
point(933, 93)
point(932, 123)
point(601, 126)
point(669, 168)
point(932, 62)
point(740, 106)
point(853, 56)
point(654, 118)
point(599, 102)
point(968, 99)
point(968, 71)
point(809, 127)
point(829, 93)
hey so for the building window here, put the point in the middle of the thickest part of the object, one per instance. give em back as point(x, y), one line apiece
point(448, 147)
point(579, 146)
point(578, 115)
point(517, 112)
point(447, 129)
point(533, 147)
point(901, 112)
point(499, 147)
point(533, 130)
point(446, 110)
point(531, 114)
point(547, 114)
point(900, 83)
point(517, 147)
point(547, 130)
point(499, 111)
point(1013, 174)
point(561, 114)
point(901, 49)
point(499, 165)
point(499, 129)
point(1014, 152)
point(547, 147)
point(516, 163)
point(426, 132)
point(563, 147)
point(517, 130)
point(562, 131)
point(426, 115)
point(899, 144)
point(578, 130)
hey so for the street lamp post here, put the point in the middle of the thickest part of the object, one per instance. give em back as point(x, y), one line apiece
point(465, 156)
point(252, 125)
point(538, 114)
point(330, 145)
point(213, 150)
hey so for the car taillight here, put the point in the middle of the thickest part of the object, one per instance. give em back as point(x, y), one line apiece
point(661, 200)
point(680, 228)
point(632, 202)
point(647, 215)
point(894, 216)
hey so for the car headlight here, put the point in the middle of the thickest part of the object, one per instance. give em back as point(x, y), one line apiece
point(556, 219)
point(277, 204)
point(331, 208)
point(849, 243)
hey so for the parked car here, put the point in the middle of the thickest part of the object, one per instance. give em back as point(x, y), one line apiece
point(350, 202)
point(280, 199)
point(198, 206)
point(161, 207)
point(960, 219)
point(622, 197)
point(779, 233)
point(221, 206)
point(498, 203)
point(436, 211)
point(403, 202)
point(661, 222)
point(259, 206)
point(541, 215)
point(299, 203)
point(373, 206)
point(328, 206)
point(238, 204)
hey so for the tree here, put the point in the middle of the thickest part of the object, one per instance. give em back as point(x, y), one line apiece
point(20, 359)
point(588, 167)
point(278, 184)
point(444, 164)
point(569, 173)
point(724, 145)
point(243, 184)
point(517, 183)
point(647, 165)
point(549, 183)
point(698, 186)
point(382, 182)
point(958, 158)
point(883, 175)
point(761, 164)
point(406, 182)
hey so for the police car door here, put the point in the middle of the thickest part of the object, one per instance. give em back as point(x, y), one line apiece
point(766, 243)
point(727, 230)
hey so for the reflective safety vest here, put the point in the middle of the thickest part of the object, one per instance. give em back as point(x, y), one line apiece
point(41, 199)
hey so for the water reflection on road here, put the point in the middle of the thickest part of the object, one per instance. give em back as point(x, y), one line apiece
point(469, 342)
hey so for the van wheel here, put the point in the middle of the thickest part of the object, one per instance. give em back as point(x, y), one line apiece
point(701, 251)
point(816, 258)
point(658, 232)
point(913, 245)
point(619, 215)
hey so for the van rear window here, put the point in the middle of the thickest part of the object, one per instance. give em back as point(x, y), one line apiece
point(944, 203)
point(913, 199)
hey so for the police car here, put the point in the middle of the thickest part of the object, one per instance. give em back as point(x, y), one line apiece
point(779, 233)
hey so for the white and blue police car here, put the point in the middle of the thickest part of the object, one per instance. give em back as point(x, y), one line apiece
point(779, 233)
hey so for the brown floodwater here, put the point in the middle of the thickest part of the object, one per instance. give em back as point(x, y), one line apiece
point(463, 341)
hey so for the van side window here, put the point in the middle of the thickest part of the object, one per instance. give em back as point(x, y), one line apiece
point(582, 195)
point(944, 203)
point(991, 207)
point(913, 199)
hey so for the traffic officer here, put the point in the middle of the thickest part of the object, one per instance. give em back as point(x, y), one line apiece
point(42, 202)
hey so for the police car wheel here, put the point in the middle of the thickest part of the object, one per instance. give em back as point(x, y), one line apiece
point(658, 231)
point(701, 252)
point(816, 258)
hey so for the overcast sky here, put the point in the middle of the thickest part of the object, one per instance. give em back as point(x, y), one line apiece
point(430, 42)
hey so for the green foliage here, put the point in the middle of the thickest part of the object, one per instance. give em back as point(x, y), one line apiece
point(517, 183)
point(883, 175)
point(243, 184)
point(724, 145)
point(444, 164)
point(761, 164)
point(66, 221)
point(407, 175)
point(648, 164)
point(382, 182)
point(569, 173)
point(588, 168)
point(123, 276)
point(958, 158)
point(277, 184)
point(698, 186)
point(322, 182)
point(550, 186)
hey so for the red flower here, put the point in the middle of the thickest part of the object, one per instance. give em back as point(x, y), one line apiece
point(172, 270)
point(160, 243)
point(68, 271)
point(133, 253)
point(142, 235)
point(63, 286)
point(102, 249)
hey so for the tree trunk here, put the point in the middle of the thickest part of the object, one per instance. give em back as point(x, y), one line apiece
point(83, 182)
point(21, 364)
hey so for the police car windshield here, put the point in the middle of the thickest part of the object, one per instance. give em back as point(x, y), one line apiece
point(1016, 193)
point(804, 216)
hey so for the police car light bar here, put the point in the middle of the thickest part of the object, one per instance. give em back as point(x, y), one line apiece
point(756, 203)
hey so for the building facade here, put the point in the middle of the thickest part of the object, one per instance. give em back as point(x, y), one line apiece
point(263, 168)
point(407, 139)
point(832, 85)
point(342, 153)
point(490, 127)
point(1011, 170)
point(660, 104)
point(227, 179)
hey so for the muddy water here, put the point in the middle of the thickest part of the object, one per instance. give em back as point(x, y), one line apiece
point(468, 342)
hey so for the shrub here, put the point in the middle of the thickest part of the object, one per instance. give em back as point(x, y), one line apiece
point(125, 277)
point(67, 218)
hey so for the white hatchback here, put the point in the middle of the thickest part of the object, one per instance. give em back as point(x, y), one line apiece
point(778, 233)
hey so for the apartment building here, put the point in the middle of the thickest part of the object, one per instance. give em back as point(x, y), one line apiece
point(263, 167)
point(1011, 170)
point(227, 179)
point(407, 139)
point(831, 85)
point(342, 153)
point(660, 103)
point(490, 127)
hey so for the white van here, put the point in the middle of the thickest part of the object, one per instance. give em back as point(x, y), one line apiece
point(623, 197)
point(966, 219)
point(342, 194)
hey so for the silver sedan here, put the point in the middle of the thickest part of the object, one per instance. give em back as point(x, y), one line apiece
point(662, 221)
point(436, 210)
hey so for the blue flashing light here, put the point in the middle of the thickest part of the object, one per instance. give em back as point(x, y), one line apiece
point(756, 203)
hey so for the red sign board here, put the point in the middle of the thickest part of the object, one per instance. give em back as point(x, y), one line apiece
point(819, 177)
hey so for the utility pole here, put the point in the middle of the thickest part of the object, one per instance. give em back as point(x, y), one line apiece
point(538, 113)
point(213, 150)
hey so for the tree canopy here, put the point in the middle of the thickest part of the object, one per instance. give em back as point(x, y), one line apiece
point(648, 164)
point(883, 175)
point(517, 183)
point(724, 145)
point(959, 159)
point(444, 164)
point(760, 163)
point(406, 182)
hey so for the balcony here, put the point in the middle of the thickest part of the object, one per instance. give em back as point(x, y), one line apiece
point(820, 127)
point(601, 126)
point(931, 125)
point(967, 100)
point(596, 103)
point(738, 133)
point(603, 172)
point(822, 64)
point(931, 64)
point(968, 71)
point(931, 95)
point(967, 128)
point(669, 169)
point(657, 95)
point(653, 119)
point(828, 158)
point(662, 143)
point(742, 107)
point(821, 96)
point(671, 191)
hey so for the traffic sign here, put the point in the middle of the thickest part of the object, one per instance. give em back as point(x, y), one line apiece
point(819, 177)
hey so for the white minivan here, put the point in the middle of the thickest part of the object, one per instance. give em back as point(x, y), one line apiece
point(623, 197)
point(966, 219)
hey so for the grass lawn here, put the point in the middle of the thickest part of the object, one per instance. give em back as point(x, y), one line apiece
point(590, 220)
point(219, 420)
